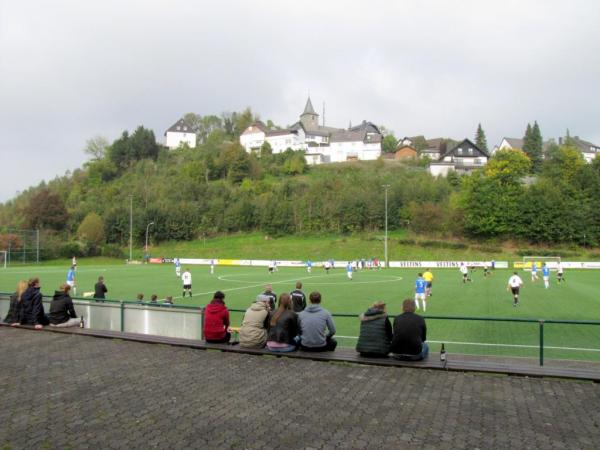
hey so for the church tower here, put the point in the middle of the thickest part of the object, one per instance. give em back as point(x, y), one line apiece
point(309, 118)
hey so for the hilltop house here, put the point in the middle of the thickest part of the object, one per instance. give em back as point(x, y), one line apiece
point(179, 133)
point(319, 143)
point(588, 150)
point(463, 157)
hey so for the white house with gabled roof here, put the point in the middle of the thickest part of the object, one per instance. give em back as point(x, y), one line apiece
point(180, 133)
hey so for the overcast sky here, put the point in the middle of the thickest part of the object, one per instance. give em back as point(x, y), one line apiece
point(71, 70)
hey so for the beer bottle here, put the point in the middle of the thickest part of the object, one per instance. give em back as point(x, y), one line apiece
point(81, 324)
point(443, 353)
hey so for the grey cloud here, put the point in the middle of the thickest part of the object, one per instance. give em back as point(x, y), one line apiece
point(73, 70)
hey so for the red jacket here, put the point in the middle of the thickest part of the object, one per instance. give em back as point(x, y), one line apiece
point(216, 320)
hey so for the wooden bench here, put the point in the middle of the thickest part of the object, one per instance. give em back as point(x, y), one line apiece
point(455, 362)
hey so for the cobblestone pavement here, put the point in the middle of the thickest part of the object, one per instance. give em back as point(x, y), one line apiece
point(67, 391)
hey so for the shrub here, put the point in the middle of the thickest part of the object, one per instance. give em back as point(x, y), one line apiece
point(112, 251)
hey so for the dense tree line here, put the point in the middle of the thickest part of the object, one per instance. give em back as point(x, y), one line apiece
point(218, 187)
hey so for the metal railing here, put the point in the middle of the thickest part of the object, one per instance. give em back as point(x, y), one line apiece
point(182, 321)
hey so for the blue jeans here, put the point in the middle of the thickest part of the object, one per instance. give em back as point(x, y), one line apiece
point(424, 353)
point(289, 348)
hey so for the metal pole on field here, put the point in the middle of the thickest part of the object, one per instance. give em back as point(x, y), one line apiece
point(130, 227)
point(37, 245)
point(385, 241)
point(146, 248)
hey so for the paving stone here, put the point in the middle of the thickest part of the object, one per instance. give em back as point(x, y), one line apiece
point(69, 391)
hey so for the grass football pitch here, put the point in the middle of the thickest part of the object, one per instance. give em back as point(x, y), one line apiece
point(576, 299)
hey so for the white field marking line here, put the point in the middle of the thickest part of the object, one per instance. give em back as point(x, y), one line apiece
point(393, 279)
point(223, 278)
point(483, 344)
point(55, 270)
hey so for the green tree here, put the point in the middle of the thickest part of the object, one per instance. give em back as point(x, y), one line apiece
point(96, 147)
point(91, 230)
point(480, 140)
point(508, 166)
point(532, 146)
point(389, 143)
point(46, 210)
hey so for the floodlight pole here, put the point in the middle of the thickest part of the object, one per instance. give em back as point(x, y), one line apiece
point(130, 227)
point(146, 248)
point(385, 241)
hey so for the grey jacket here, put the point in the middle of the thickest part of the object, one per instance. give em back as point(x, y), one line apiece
point(313, 321)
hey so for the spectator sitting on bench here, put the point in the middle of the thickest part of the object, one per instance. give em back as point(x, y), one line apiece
point(169, 300)
point(32, 308)
point(375, 332)
point(14, 309)
point(140, 298)
point(314, 321)
point(253, 332)
point(62, 311)
point(283, 327)
point(216, 320)
point(154, 299)
point(410, 334)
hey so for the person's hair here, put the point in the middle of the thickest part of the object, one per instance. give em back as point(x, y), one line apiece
point(21, 287)
point(140, 296)
point(64, 288)
point(315, 297)
point(100, 278)
point(379, 305)
point(298, 284)
point(154, 297)
point(220, 295)
point(285, 302)
point(33, 281)
point(408, 305)
point(514, 273)
point(169, 299)
point(268, 287)
point(420, 274)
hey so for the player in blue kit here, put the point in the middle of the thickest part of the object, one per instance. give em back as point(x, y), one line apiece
point(71, 279)
point(546, 275)
point(420, 286)
point(349, 270)
point(534, 270)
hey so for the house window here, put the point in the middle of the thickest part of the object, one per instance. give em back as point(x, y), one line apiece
point(459, 151)
point(470, 151)
point(178, 127)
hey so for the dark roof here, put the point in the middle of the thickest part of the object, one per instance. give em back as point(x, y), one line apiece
point(280, 132)
point(465, 143)
point(347, 136)
point(308, 109)
point(585, 146)
point(179, 127)
point(515, 142)
point(434, 143)
point(260, 125)
point(370, 127)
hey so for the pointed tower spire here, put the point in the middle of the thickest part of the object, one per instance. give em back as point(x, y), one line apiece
point(308, 109)
point(309, 118)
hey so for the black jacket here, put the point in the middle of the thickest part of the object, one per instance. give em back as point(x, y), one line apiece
point(272, 299)
point(61, 308)
point(14, 310)
point(298, 300)
point(285, 329)
point(32, 308)
point(409, 334)
point(100, 289)
point(375, 332)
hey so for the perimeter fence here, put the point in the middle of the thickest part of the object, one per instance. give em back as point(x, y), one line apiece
point(539, 338)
